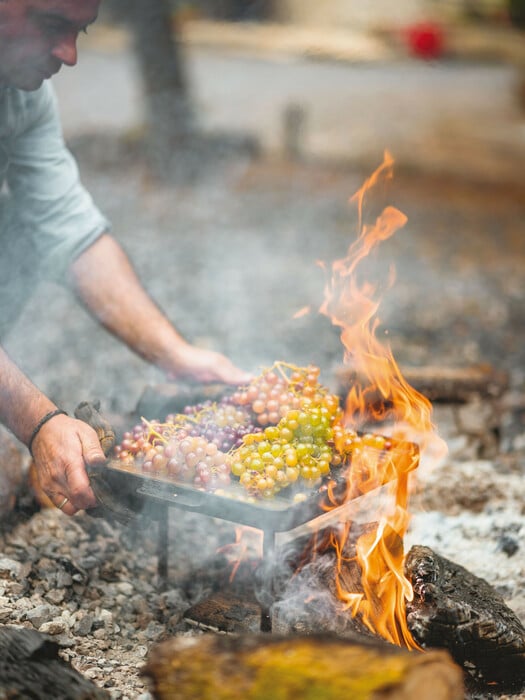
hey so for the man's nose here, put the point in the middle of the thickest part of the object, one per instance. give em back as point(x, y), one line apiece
point(66, 49)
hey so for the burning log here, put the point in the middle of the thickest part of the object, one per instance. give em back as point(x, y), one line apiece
point(443, 384)
point(458, 611)
point(264, 666)
point(30, 667)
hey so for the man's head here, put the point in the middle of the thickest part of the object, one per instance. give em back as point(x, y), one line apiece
point(38, 36)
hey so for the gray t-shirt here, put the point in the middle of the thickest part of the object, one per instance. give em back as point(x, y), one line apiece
point(43, 200)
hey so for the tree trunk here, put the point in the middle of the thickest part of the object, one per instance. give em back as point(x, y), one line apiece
point(169, 114)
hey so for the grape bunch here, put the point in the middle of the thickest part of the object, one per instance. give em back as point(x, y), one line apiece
point(223, 424)
point(169, 450)
point(348, 442)
point(277, 391)
point(299, 448)
point(283, 428)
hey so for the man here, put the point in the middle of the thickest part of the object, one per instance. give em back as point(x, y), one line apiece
point(46, 216)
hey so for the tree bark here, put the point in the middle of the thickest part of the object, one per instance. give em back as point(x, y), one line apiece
point(170, 118)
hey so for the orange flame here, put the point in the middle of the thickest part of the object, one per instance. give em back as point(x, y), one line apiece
point(248, 545)
point(379, 394)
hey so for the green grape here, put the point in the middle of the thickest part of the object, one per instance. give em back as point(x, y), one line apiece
point(237, 468)
point(286, 434)
point(256, 464)
point(302, 437)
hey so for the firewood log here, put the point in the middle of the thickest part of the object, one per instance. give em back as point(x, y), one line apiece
point(458, 611)
point(260, 667)
point(30, 667)
point(445, 384)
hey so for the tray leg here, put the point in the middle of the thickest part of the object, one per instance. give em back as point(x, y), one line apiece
point(162, 547)
point(268, 548)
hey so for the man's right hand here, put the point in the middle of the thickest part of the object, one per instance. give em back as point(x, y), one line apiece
point(62, 450)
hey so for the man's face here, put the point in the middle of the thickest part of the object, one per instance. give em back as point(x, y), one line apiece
point(38, 36)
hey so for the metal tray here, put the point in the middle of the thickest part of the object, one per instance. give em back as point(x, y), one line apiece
point(277, 514)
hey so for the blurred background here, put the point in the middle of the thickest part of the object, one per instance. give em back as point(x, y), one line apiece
point(224, 139)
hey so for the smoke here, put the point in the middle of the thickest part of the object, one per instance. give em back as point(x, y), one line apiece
point(307, 603)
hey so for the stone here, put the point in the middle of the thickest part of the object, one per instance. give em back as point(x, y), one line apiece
point(84, 625)
point(41, 615)
point(9, 568)
point(53, 627)
point(6, 615)
point(56, 596)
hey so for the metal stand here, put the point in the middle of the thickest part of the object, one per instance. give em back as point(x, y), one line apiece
point(162, 559)
point(162, 547)
point(268, 549)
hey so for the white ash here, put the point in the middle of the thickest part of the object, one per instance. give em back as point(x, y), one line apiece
point(474, 516)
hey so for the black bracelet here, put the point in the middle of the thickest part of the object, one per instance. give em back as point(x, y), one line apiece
point(41, 423)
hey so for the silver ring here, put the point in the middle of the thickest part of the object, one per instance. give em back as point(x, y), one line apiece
point(63, 503)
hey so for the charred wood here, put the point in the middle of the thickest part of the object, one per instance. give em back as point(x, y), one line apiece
point(296, 583)
point(224, 612)
point(455, 610)
point(304, 585)
point(30, 667)
point(316, 666)
point(443, 384)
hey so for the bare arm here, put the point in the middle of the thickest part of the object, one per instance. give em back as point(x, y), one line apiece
point(62, 448)
point(106, 283)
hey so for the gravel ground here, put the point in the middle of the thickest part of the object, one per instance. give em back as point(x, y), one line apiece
point(231, 256)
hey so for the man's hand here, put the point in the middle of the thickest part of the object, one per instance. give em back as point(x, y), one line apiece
point(201, 365)
point(62, 450)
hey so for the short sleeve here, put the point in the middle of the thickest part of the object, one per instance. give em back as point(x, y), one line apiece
point(50, 203)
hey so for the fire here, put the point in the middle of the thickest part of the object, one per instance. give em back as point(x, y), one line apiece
point(380, 395)
point(247, 547)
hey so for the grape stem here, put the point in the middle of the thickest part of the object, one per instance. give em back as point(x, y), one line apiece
point(152, 431)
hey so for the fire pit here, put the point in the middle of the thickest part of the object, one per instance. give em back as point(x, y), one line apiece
point(298, 505)
point(285, 433)
point(117, 573)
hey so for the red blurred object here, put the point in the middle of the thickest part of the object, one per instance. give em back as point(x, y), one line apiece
point(425, 40)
